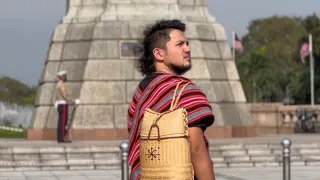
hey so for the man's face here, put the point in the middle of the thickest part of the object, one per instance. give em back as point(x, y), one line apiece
point(177, 56)
point(63, 77)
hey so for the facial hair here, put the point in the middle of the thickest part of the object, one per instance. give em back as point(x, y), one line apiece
point(179, 70)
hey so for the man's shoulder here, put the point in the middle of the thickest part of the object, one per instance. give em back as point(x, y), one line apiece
point(190, 87)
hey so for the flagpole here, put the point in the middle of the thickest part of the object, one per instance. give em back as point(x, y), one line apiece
point(311, 70)
point(233, 46)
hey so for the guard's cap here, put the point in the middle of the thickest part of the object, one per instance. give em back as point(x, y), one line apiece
point(61, 73)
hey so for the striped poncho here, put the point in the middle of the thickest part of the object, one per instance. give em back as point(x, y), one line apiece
point(155, 92)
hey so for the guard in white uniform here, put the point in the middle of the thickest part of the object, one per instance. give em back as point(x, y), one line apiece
point(62, 101)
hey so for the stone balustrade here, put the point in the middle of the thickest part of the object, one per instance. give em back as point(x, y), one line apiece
point(276, 118)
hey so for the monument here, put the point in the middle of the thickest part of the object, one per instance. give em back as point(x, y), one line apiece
point(93, 43)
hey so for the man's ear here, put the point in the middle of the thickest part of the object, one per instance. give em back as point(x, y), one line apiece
point(158, 54)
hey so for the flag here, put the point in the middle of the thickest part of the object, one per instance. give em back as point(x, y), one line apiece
point(304, 51)
point(237, 44)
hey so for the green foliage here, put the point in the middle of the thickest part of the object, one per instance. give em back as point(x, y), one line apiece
point(255, 71)
point(13, 91)
point(270, 64)
point(11, 134)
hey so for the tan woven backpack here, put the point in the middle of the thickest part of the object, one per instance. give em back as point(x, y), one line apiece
point(164, 145)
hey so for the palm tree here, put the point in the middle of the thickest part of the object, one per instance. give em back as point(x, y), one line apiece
point(255, 74)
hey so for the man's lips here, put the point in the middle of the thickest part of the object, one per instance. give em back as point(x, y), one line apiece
point(187, 57)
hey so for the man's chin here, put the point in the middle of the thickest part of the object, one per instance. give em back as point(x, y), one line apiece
point(182, 70)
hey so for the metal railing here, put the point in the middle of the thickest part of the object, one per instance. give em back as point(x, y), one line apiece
point(286, 163)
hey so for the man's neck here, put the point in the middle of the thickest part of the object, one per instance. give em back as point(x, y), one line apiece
point(165, 70)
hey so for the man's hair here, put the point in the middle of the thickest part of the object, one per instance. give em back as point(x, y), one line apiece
point(155, 36)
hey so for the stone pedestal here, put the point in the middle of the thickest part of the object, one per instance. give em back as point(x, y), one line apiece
point(93, 42)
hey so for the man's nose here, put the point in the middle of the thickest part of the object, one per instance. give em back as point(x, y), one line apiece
point(186, 48)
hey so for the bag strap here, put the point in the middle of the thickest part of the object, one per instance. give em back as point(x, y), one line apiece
point(175, 99)
point(174, 95)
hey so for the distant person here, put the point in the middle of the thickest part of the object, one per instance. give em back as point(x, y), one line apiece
point(62, 101)
point(165, 57)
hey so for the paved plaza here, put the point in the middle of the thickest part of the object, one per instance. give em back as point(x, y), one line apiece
point(307, 144)
point(263, 173)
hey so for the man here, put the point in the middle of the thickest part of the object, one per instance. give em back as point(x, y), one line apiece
point(62, 101)
point(165, 56)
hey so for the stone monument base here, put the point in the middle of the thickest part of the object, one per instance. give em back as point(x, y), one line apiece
point(122, 134)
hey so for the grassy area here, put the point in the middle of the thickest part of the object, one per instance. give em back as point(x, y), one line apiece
point(11, 134)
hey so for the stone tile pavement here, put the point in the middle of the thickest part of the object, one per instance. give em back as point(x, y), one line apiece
point(263, 173)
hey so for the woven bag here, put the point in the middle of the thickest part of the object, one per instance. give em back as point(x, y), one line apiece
point(164, 145)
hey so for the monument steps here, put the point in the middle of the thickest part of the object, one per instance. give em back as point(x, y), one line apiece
point(235, 152)
point(258, 154)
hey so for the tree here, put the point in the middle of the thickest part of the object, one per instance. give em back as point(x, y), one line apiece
point(255, 71)
point(275, 39)
point(14, 91)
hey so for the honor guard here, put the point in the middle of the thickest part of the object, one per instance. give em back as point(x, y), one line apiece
point(62, 101)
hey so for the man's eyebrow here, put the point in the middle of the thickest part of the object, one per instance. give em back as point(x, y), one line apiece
point(179, 41)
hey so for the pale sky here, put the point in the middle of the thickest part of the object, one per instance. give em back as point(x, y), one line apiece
point(26, 27)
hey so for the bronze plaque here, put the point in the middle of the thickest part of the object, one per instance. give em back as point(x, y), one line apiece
point(128, 49)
